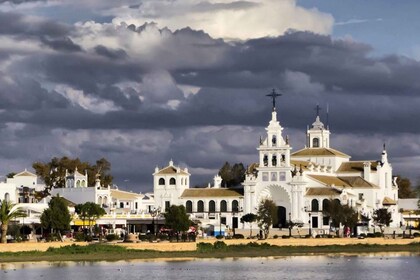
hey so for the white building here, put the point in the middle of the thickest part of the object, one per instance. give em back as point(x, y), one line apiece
point(300, 183)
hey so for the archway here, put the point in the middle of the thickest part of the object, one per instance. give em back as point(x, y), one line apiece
point(281, 198)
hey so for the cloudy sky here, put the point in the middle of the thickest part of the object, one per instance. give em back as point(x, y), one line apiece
point(144, 81)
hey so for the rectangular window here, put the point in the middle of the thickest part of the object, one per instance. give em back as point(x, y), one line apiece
point(274, 176)
point(326, 221)
point(167, 204)
point(282, 176)
point(265, 176)
point(360, 196)
point(137, 205)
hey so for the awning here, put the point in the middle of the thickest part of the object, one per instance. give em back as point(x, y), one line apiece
point(78, 222)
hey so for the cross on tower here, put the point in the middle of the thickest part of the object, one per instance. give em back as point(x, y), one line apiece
point(317, 108)
point(274, 95)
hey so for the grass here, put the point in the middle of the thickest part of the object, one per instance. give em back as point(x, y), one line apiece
point(101, 252)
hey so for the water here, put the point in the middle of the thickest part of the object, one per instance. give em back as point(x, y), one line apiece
point(381, 267)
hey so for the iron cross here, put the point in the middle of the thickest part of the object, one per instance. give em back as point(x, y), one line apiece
point(274, 95)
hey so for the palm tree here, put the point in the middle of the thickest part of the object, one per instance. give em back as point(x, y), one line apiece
point(8, 212)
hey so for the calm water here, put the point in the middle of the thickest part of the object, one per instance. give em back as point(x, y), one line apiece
point(313, 267)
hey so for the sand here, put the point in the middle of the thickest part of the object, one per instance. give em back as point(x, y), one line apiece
point(191, 246)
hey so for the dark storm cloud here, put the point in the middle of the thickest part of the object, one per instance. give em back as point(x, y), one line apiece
point(112, 54)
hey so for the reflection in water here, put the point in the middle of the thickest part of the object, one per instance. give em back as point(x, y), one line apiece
point(385, 266)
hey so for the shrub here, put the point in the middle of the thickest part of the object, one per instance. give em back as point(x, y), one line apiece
point(238, 236)
point(285, 236)
point(378, 234)
point(79, 237)
point(88, 238)
point(112, 237)
point(220, 245)
point(416, 234)
point(142, 237)
point(163, 236)
point(275, 236)
point(219, 236)
point(204, 247)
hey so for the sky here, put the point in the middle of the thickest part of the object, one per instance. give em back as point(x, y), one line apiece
point(145, 81)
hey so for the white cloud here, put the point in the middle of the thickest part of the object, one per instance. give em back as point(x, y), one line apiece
point(227, 18)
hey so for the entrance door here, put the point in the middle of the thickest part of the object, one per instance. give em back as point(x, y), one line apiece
point(314, 222)
point(234, 222)
point(281, 221)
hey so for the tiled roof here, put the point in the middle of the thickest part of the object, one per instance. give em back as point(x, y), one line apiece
point(356, 166)
point(319, 152)
point(388, 201)
point(343, 181)
point(25, 173)
point(299, 163)
point(322, 192)
point(171, 170)
point(212, 192)
point(122, 195)
point(357, 182)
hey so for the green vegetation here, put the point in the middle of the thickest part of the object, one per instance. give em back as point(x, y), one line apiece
point(232, 175)
point(338, 213)
point(89, 212)
point(382, 217)
point(249, 218)
point(8, 212)
point(56, 217)
point(266, 214)
point(53, 172)
point(176, 219)
point(101, 252)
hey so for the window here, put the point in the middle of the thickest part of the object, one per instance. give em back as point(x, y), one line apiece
point(361, 196)
point(274, 140)
point(315, 143)
point(265, 176)
point(235, 206)
point(136, 205)
point(188, 206)
point(167, 205)
point(223, 206)
point(172, 181)
point(7, 197)
point(274, 176)
point(265, 160)
point(212, 206)
point(282, 176)
point(314, 205)
point(325, 205)
point(274, 161)
point(121, 204)
point(161, 181)
point(200, 206)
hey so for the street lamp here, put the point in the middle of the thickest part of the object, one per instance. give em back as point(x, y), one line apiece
point(154, 212)
point(290, 224)
point(310, 228)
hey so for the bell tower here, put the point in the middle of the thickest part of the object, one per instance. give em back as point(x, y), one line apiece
point(318, 136)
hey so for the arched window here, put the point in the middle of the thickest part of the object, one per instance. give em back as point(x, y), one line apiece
point(172, 181)
point(235, 206)
point(78, 183)
point(325, 205)
point(274, 140)
point(188, 206)
point(121, 204)
point(6, 197)
point(161, 181)
point(315, 143)
point(223, 206)
point(265, 160)
point(212, 206)
point(105, 200)
point(274, 160)
point(315, 205)
point(83, 183)
point(100, 200)
point(200, 206)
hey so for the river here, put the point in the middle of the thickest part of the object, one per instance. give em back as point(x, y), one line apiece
point(384, 266)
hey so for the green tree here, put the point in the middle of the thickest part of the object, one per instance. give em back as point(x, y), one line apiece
point(8, 212)
point(340, 214)
point(10, 175)
point(53, 172)
point(90, 212)
point(176, 218)
point(266, 215)
point(232, 175)
point(382, 218)
point(405, 189)
point(56, 217)
point(249, 218)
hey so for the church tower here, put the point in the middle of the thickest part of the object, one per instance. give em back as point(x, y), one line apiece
point(318, 136)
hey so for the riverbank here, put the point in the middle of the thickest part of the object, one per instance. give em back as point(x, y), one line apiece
point(68, 251)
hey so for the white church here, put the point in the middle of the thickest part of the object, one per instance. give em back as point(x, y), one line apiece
point(300, 183)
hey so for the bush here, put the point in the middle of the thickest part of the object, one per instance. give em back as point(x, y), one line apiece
point(238, 236)
point(163, 236)
point(416, 234)
point(111, 237)
point(275, 236)
point(220, 245)
point(378, 234)
point(88, 238)
point(79, 237)
point(370, 235)
point(285, 236)
point(219, 236)
point(204, 247)
point(142, 237)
